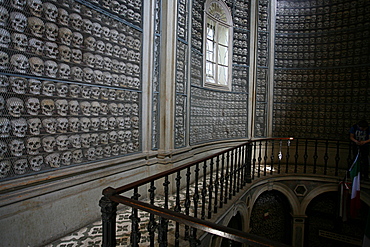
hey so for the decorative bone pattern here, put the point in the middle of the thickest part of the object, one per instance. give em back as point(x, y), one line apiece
point(67, 72)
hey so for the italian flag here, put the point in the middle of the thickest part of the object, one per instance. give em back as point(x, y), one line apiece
point(355, 195)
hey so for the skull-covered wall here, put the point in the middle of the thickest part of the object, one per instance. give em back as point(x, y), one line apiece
point(69, 83)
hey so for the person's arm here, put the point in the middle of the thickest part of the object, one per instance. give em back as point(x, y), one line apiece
point(352, 138)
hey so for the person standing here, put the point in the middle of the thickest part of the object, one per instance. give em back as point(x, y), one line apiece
point(360, 136)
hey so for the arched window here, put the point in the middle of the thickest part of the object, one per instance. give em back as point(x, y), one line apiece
point(217, 45)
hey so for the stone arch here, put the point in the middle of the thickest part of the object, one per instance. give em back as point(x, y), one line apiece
point(314, 193)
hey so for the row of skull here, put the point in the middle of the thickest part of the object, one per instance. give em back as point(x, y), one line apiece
point(56, 159)
point(38, 67)
point(35, 126)
point(35, 145)
point(21, 85)
point(48, 107)
point(52, 13)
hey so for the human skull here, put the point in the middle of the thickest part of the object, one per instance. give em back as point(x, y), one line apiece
point(99, 152)
point(86, 26)
point(77, 39)
point(62, 125)
point(66, 158)
point(135, 109)
point(64, 53)
point(64, 71)
point(120, 122)
point(35, 7)
point(4, 38)
point(75, 141)
point(63, 17)
point(74, 90)
point(4, 16)
point(135, 134)
point(33, 106)
point(36, 26)
point(74, 124)
point(100, 46)
point(85, 140)
point(94, 139)
point(20, 166)
point(34, 126)
point(51, 50)
point(19, 63)
point(19, 41)
point(114, 35)
point(34, 86)
point(85, 124)
point(51, 68)
point(4, 83)
point(98, 77)
point(50, 11)
point(36, 162)
point(112, 123)
point(88, 74)
point(108, 49)
point(47, 107)
point(15, 106)
point(18, 21)
point(76, 72)
point(49, 125)
point(53, 160)
point(48, 143)
point(19, 127)
point(95, 123)
point(99, 62)
point(36, 66)
point(95, 93)
point(5, 127)
point(89, 59)
point(74, 107)
point(33, 144)
point(135, 122)
point(48, 88)
point(107, 78)
point(36, 46)
point(113, 109)
point(77, 156)
point(85, 108)
point(3, 149)
point(90, 43)
point(96, 29)
point(62, 89)
point(104, 123)
point(18, 84)
point(51, 31)
point(107, 151)
point(62, 142)
point(16, 147)
point(4, 60)
point(103, 108)
point(75, 21)
point(128, 122)
point(112, 135)
point(65, 36)
point(62, 107)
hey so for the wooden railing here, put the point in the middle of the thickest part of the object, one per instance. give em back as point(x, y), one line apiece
point(201, 188)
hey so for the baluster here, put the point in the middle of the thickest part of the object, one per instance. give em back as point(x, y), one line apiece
point(195, 200)
point(259, 158)
point(272, 156)
point(135, 229)
point(265, 160)
point(222, 180)
point(287, 157)
point(187, 200)
point(108, 215)
point(305, 156)
point(254, 160)
point(204, 190)
point(216, 184)
point(163, 224)
point(248, 162)
point(210, 189)
point(326, 157)
point(231, 174)
point(296, 156)
point(280, 156)
point(242, 166)
point(177, 207)
point(337, 159)
point(227, 176)
point(237, 169)
point(315, 156)
point(152, 225)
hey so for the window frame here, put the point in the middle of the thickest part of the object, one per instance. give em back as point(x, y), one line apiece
point(219, 24)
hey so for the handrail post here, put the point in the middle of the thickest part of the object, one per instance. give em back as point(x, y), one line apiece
point(108, 214)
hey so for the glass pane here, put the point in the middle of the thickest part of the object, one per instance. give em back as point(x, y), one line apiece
point(210, 51)
point(222, 75)
point(210, 68)
point(210, 29)
point(223, 35)
point(223, 55)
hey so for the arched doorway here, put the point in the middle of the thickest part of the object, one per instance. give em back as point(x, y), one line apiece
point(235, 223)
point(325, 228)
point(271, 217)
